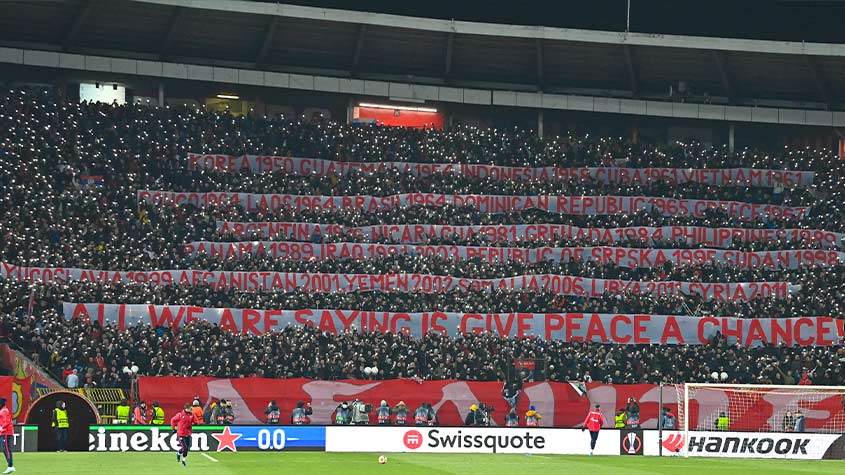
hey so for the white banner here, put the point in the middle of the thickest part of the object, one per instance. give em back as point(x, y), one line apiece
point(769, 445)
point(416, 233)
point(621, 256)
point(484, 440)
point(606, 175)
point(602, 328)
point(426, 283)
point(571, 205)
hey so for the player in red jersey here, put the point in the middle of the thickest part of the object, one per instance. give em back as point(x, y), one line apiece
point(7, 433)
point(593, 423)
point(183, 423)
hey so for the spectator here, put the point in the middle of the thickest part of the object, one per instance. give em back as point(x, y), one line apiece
point(805, 379)
point(511, 395)
point(72, 381)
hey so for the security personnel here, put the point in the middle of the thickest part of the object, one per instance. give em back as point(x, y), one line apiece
point(158, 414)
point(122, 413)
point(620, 418)
point(723, 422)
point(61, 424)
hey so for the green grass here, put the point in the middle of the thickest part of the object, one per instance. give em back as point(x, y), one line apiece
point(307, 463)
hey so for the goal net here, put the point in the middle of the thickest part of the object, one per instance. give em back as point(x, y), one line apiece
point(760, 408)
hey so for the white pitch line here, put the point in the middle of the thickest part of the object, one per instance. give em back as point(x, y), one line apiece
point(209, 457)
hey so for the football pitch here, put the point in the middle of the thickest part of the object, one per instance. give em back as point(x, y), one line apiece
point(405, 464)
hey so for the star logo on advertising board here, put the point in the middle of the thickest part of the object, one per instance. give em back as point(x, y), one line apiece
point(226, 440)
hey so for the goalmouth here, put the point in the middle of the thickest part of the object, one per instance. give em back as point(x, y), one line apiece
point(774, 420)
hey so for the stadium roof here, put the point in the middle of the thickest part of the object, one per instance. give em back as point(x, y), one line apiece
point(299, 39)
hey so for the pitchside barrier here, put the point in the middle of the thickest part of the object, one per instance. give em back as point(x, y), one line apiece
point(416, 439)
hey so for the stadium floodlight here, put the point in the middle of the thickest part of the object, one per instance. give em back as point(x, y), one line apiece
point(228, 96)
point(759, 408)
point(395, 107)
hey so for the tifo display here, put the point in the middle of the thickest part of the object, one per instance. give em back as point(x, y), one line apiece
point(276, 285)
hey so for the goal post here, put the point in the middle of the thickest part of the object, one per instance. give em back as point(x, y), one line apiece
point(713, 407)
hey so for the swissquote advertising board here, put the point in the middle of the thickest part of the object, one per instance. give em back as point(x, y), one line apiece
point(500, 440)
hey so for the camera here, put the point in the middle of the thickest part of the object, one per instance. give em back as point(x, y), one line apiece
point(368, 408)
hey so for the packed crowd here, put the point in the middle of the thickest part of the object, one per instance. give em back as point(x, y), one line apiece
point(50, 217)
point(203, 349)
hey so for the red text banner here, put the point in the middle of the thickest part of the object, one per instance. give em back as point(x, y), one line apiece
point(602, 328)
point(417, 233)
point(425, 283)
point(620, 256)
point(494, 204)
point(561, 404)
point(606, 175)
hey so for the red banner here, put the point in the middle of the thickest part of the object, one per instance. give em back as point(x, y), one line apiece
point(621, 256)
point(561, 404)
point(426, 283)
point(417, 233)
point(493, 204)
point(606, 175)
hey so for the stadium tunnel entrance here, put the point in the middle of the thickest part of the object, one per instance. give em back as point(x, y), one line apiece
point(81, 414)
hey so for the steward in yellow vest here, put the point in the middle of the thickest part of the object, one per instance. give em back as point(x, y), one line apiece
point(158, 414)
point(61, 424)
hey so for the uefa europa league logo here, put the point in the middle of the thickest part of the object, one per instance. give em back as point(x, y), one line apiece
point(632, 443)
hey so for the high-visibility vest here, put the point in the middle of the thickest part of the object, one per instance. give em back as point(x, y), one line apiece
point(722, 423)
point(61, 418)
point(122, 415)
point(158, 417)
point(620, 420)
point(272, 417)
point(511, 421)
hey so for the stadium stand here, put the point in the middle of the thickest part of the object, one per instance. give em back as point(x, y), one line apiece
point(78, 227)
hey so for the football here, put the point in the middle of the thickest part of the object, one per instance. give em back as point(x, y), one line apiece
point(382, 459)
